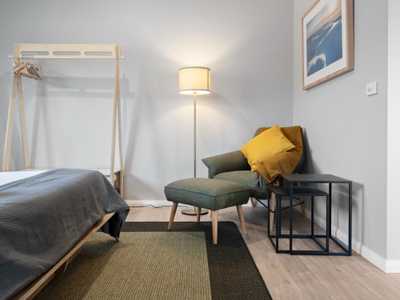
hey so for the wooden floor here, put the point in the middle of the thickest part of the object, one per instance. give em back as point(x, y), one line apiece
point(297, 277)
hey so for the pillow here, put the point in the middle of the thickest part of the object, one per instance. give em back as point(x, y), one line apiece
point(263, 150)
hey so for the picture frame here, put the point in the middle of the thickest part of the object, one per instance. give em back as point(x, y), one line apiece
point(327, 41)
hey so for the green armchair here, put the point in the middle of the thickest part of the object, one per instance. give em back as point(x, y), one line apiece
point(233, 167)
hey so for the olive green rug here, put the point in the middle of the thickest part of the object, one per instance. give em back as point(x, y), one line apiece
point(151, 263)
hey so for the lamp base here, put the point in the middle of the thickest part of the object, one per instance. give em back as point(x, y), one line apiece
point(193, 211)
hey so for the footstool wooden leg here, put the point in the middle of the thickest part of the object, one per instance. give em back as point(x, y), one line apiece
point(172, 215)
point(198, 214)
point(214, 220)
point(241, 218)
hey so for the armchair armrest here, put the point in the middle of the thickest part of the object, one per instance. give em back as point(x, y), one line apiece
point(232, 161)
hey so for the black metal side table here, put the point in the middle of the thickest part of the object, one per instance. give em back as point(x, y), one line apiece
point(305, 194)
point(295, 179)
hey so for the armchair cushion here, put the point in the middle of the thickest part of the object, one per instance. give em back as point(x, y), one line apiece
point(212, 194)
point(232, 161)
point(256, 184)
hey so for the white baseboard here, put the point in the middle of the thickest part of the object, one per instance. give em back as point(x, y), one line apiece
point(386, 265)
point(392, 266)
point(373, 258)
point(148, 203)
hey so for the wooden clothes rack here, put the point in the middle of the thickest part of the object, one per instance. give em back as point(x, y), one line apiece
point(26, 52)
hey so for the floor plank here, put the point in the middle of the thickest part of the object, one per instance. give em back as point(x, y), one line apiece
point(296, 277)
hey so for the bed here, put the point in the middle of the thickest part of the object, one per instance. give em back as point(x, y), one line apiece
point(45, 217)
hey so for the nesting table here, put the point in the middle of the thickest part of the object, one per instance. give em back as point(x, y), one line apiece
point(302, 185)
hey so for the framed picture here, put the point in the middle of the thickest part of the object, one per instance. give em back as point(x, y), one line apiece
point(328, 41)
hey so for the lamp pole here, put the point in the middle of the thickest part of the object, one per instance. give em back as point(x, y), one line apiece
point(193, 211)
point(194, 136)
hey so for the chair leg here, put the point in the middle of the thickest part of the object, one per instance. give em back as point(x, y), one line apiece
point(172, 215)
point(198, 214)
point(253, 202)
point(271, 210)
point(241, 218)
point(214, 220)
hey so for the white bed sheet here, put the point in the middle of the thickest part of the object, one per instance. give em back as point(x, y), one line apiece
point(8, 177)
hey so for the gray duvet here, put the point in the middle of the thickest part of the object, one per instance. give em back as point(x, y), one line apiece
point(42, 217)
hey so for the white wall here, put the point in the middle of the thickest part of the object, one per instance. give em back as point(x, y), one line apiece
point(346, 130)
point(393, 177)
point(248, 45)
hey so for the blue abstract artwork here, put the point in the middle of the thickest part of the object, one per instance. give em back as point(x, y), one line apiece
point(324, 47)
point(328, 41)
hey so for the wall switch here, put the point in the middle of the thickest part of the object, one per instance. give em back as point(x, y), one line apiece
point(372, 88)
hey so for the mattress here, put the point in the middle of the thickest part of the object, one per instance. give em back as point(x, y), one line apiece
point(8, 177)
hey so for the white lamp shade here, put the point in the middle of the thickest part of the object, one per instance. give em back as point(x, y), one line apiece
point(194, 81)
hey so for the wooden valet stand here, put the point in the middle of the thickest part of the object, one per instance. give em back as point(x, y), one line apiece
point(23, 55)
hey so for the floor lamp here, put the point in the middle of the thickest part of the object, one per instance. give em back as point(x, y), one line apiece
point(194, 81)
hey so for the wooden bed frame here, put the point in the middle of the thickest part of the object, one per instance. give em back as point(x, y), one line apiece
point(34, 288)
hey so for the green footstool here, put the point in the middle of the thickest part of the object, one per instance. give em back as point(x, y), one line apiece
point(212, 194)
